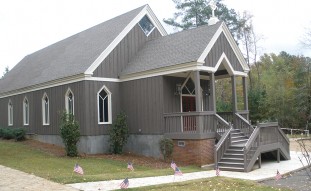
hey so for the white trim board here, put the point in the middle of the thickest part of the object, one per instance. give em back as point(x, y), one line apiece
point(192, 66)
point(224, 29)
point(145, 11)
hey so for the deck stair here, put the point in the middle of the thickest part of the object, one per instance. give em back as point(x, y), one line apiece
point(237, 152)
point(233, 158)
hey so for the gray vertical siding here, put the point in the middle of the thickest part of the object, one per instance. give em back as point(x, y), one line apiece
point(91, 114)
point(142, 101)
point(56, 97)
point(123, 53)
point(222, 45)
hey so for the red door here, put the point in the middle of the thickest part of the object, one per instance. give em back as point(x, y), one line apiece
point(188, 105)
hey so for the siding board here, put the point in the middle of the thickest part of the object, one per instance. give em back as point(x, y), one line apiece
point(222, 45)
point(143, 106)
point(117, 60)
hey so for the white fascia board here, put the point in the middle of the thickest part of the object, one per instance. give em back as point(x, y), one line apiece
point(145, 11)
point(155, 21)
point(228, 66)
point(210, 45)
point(223, 28)
point(99, 79)
point(50, 84)
point(235, 47)
point(192, 66)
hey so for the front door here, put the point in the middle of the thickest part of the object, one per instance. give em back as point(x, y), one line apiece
point(188, 105)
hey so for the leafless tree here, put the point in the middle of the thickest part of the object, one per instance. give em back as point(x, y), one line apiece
point(305, 159)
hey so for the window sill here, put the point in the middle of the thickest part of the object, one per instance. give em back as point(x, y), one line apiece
point(106, 123)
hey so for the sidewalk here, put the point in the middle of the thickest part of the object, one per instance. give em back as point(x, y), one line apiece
point(15, 180)
point(267, 170)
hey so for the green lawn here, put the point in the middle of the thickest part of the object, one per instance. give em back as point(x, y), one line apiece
point(213, 184)
point(60, 169)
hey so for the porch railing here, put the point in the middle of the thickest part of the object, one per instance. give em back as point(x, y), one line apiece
point(266, 137)
point(188, 122)
point(242, 124)
point(222, 145)
point(220, 124)
point(195, 123)
point(227, 116)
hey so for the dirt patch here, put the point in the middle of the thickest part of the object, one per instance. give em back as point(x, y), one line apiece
point(126, 157)
point(295, 144)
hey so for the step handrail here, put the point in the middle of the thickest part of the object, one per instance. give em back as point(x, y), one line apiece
point(241, 121)
point(222, 145)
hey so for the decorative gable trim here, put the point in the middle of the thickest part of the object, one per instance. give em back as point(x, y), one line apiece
point(224, 29)
point(145, 11)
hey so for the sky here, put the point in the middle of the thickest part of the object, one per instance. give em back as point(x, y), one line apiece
point(28, 26)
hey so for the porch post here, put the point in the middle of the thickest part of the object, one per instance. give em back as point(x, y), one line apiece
point(212, 97)
point(198, 98)
point(245, 93)
point(234, 100)
point(234, 95)
point(245, 96)
point(198, 94)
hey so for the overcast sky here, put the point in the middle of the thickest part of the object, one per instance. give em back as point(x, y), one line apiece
point(28, 26)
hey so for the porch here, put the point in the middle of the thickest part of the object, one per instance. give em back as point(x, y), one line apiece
point(226, 139)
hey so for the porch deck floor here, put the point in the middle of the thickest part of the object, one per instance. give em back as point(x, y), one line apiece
point(267, 171)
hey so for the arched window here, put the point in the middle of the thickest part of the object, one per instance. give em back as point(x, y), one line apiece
point(10, 113)
point(104, 106)
point(45, 110)
point(69, 102)
point(26, 111)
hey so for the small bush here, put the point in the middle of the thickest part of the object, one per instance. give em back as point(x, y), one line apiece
point(19, 134)
point(119, 134)
point(166, 147)
point(70, 133)
point(9, 133)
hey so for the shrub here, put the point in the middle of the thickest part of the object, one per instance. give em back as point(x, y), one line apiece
point(70, 133)
point(166, 147)
point(118, 134)
point(8, 133)
point(19, 134)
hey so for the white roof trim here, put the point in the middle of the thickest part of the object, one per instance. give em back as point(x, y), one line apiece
point(163, 71)
point(228, 66)
point(145, 11)
point(223, 28)
point(235, 48)
point(210, 45)
point(45, 85)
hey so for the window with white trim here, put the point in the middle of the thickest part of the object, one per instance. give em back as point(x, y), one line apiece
point(45, 110)
point(69, 102)
point(26, 111)
point(104, 106)
point(146, 25)
point(10, 113)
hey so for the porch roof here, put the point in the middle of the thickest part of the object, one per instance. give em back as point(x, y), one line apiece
point(178, 49)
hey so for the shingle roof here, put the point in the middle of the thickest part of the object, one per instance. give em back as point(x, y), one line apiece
point(68, 57)
point(178, 48)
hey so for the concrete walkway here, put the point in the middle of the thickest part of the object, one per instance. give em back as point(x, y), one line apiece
point(267, 170)
point(15, 180)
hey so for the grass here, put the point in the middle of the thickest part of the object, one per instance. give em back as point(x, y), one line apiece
point(60, 169)
point(213, 184)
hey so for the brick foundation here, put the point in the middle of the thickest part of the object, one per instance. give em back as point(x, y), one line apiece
point(195, 152)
